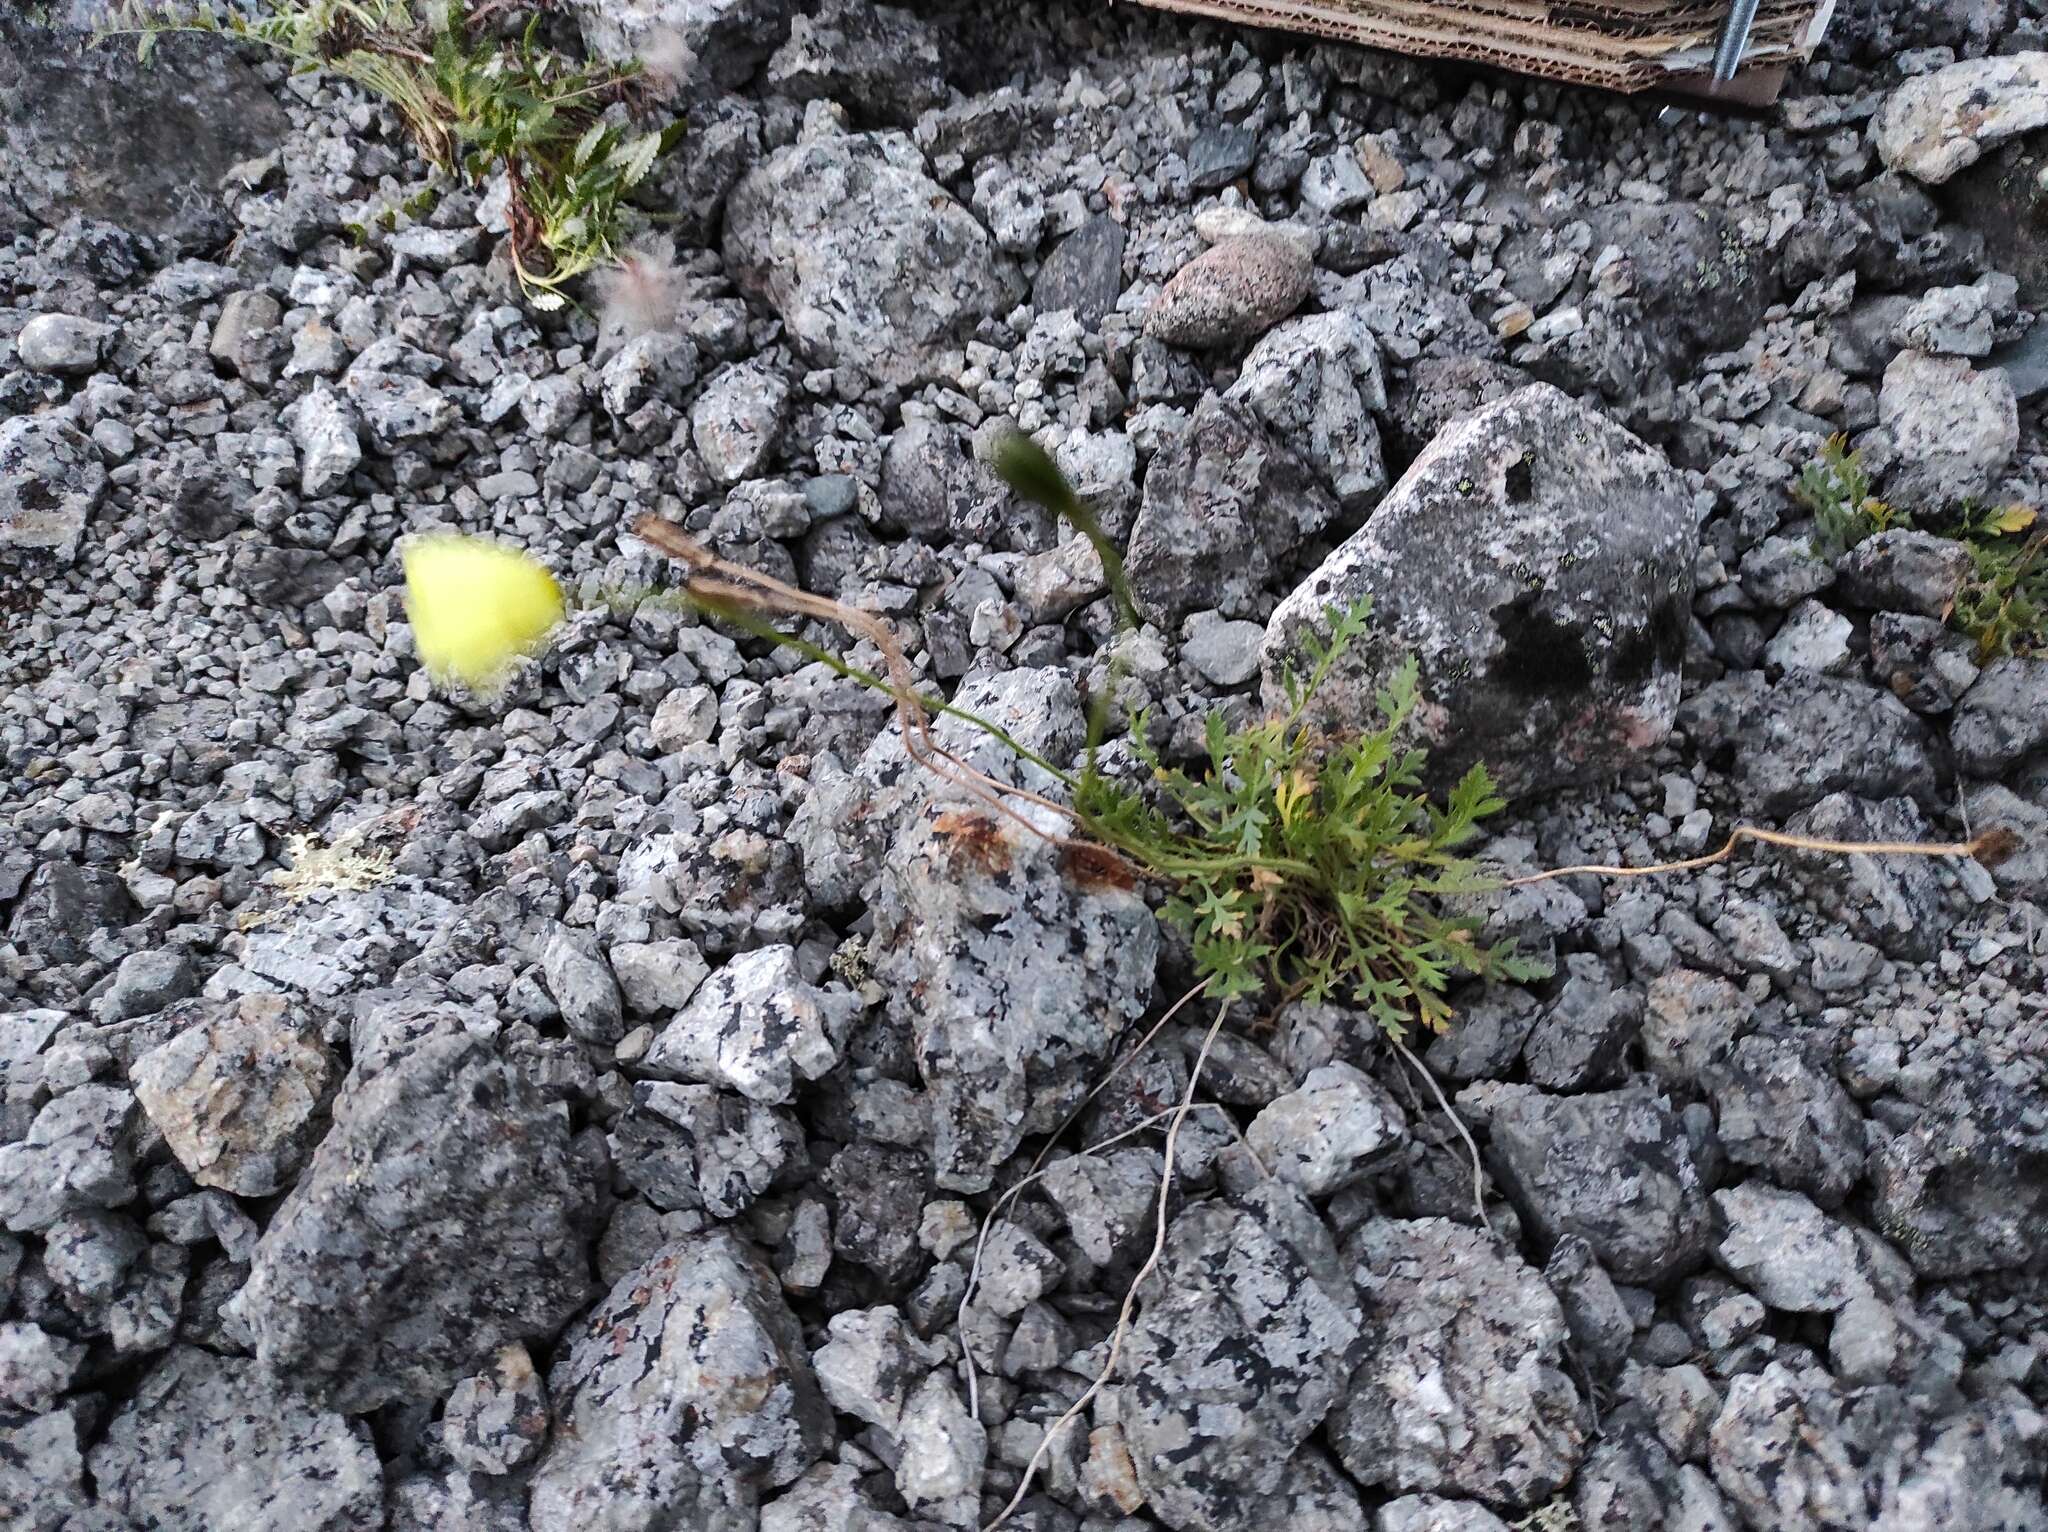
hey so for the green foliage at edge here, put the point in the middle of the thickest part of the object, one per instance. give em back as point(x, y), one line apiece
point(474, 105)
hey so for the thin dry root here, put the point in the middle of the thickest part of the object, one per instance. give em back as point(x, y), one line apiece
point(1123, 1317)
point(1989, 848)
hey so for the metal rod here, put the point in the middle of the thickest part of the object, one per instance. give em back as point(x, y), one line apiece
point(1734, 40)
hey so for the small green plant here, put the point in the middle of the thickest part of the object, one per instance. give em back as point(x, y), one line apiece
point(475, 106)
point(1310, 867)
point(1836, 489)
point(2003, 606)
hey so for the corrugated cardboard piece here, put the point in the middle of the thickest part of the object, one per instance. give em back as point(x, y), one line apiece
point(1623, 45)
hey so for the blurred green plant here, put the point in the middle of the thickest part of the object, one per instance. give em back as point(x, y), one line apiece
point(1836, 490)
point(476, 104)
point(2002, 607)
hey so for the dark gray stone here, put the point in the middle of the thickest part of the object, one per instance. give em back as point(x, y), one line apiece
point(92, 131)
point(1616, 1169)
point(876, 59)
point(1013, 978)
point(685, 1395)
point(440, 1219)
point(209, 1442)
point(1084, 273)
point(50, 483)
point(1461, 1389)
point(869, 261)
point(1226, 507)
point(1782, 1117)
point(1245, 1341)
point(1965, 1188)
point(1537, 562)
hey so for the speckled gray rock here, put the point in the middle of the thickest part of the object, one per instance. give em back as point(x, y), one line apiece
point(50, 482)
point(736, 423)
point(688, 42)
point(871, 1363)
point(1460, 1389)
point(209, 1442)
point(695, 1146)
point(1691, 1022)
point(1108, 1200)
point(1231, 294)
point(869, 262)
point(239, 1093)
point(686, 1394)
point(1433, 1513)
point(1953, 427)
point(881, 61)
point(1227, 504)
point(23, 1037)
point(829, 1499)
point(388, 388)
point(1794, 1450)
point(1936, 124)
point(1536, 560)
point(439, 1220)
point(1630, 1480)
point(755, 1027)
point(1965, 1188)
point(61, 343)
point(36, 1367)
point(497, 1420)
point(1904, 571)
point(42, 1474)
point(1014, 974)
point(1786, 1250)
point(1615, 1168)
point(1244, 1342)
point(325, 432)
point(1786, 1119)
point(1896, 903)
point(92, 131)
point(944, 1450)
point(1807, 735)
point(79, 1153)
point(582, 985)
point(2003, 718)
point(1330, 1132)
point(1316, 383)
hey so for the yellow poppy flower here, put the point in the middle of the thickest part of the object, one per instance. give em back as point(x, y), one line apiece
point(476, 606)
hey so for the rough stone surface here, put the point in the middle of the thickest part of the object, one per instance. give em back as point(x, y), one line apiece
point(1965, 1188)
point(1225, 506)
point(1616, 1169)
point(90, 131)
point(1247, 1342)
point(1013, 978)
point(1791, 1449)
point(1574, 541)
point(1954, 428)
point(1461, 1389)
point(210, 1442)
point(436, 1222)
point(688, 1391)
point(50, 482)
point(1316, 383)
point(1939, 123)
point(867, 260)
point(239, 1093)
point(1330, 1132)
point(755, 1027)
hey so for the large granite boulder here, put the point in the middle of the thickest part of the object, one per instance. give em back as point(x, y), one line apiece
point(1536, 560)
